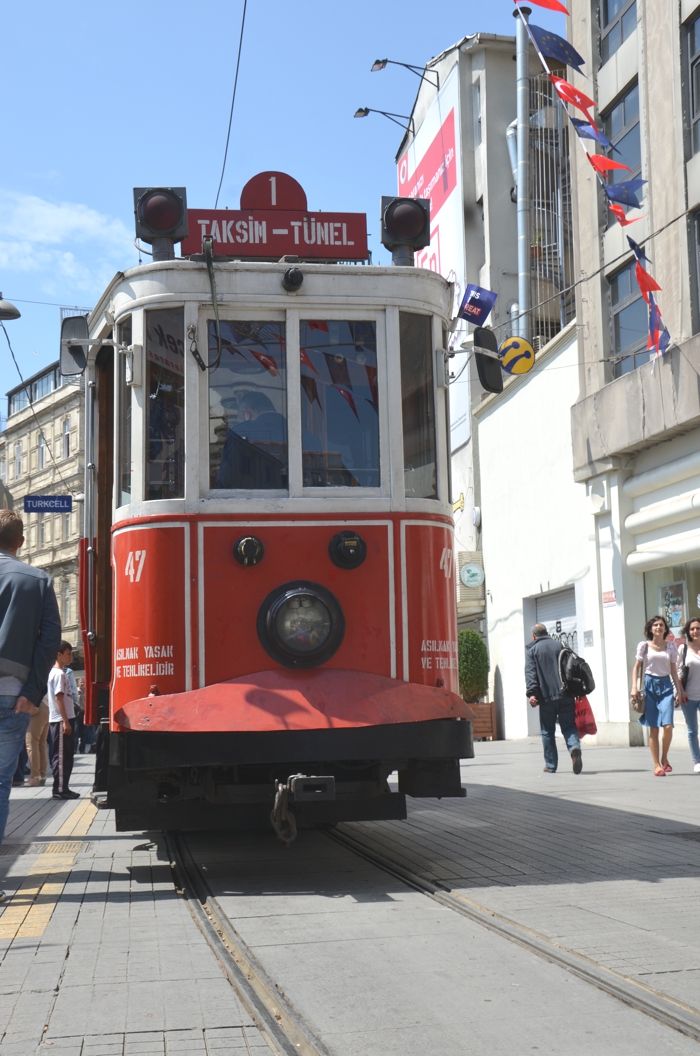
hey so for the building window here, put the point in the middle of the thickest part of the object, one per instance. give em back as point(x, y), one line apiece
point(476, 111)
point(630, 323)
point(66, 438)
point(694, 100)
point(621, 126)
point(66, 527)
point(41, 456)
point(17, 401)
point(618, 21)
point(3, 471)
point(42, 530)
point(18, 460)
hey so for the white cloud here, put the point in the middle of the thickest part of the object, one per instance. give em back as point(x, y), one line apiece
point(70, 246)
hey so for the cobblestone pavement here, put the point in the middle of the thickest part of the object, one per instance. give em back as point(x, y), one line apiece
point(606, 863)
point(98, 954)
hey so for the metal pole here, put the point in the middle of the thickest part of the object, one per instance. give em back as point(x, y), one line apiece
point(523, 117)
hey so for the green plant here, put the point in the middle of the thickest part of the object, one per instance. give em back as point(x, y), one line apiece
point(473, 665)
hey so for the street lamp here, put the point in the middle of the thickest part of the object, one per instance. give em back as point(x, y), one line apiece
point(420, 71)
point(364, 111)
point(8, 310)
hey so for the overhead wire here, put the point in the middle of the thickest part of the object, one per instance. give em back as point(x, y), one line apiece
point(233, 101)
point(31, 408)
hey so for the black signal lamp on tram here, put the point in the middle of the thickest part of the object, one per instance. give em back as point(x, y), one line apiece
point(161, 218)
point(405, 227)
point(488, 363)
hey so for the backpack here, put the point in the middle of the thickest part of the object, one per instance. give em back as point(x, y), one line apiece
point(575, 674)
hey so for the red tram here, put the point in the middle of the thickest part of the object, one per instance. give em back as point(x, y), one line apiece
point(267, 573)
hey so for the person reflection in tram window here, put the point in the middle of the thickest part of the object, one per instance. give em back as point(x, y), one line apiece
point(689, 672)
point(261, 426)
point(657, 658)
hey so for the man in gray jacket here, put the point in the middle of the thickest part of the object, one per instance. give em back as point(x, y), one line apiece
point(30, 632)
point(543, 687)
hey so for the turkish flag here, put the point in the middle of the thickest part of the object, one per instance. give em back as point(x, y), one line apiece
point(569, 93)
point(316, 324)
point(602, 164)
point(267, 362)
point(646, 283)
point(348, 397)
point(619, 212)
point(304, 356)
point(551, 5)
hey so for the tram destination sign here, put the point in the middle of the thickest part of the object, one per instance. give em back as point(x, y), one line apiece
point(48, 503)
point(273, 221)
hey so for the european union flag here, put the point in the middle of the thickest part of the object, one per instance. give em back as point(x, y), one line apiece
point(555, 47)
point(624, 192)
point(585, 131)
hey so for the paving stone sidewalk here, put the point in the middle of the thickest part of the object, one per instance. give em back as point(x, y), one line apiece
point(607, 863)
point(99, 956)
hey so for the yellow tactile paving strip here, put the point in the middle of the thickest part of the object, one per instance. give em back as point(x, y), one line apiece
point(32, 906)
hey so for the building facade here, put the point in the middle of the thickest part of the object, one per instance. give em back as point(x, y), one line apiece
point(636, 422)
point(41, 453)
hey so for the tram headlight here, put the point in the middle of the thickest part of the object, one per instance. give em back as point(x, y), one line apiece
point(301, 624)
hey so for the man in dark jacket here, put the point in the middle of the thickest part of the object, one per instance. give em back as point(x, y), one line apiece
point(544, 688)
point(30, 632)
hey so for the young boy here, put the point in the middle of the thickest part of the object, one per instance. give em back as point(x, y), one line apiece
point(61, 724)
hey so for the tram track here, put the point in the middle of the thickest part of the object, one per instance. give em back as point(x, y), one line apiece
point(283, 1026)
point(273, 1014)
point(674, 1014)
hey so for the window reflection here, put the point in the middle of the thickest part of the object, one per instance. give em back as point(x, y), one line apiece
point(418, 401)
point(248, 407)
point(339, 404)
point(165, 384)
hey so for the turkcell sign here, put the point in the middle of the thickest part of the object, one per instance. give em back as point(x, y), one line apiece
point(274, 233)
point(48, 503)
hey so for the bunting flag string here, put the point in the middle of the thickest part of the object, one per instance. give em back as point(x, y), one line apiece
point(623, 192)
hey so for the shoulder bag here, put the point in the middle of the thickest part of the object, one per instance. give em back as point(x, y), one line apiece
point(683, 669)
point(637, 702)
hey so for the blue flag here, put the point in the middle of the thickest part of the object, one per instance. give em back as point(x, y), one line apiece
point(624, 192)
point(638, 251)
point(585, 131)
point(555, 47)
point(477, 304)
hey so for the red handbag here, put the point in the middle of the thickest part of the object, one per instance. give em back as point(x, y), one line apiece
point(585, 719)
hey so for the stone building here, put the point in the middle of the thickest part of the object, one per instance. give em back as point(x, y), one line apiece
point(41, 453)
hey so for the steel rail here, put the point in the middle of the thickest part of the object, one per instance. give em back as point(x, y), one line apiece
point(273, 1014)
point(674, 1014)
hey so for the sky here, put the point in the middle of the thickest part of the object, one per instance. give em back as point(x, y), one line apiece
point(100, 98)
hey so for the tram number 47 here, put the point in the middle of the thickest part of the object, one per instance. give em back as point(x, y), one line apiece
point(134, 564)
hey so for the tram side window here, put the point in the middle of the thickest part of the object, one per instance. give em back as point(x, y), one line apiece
point(248, 406)
point(418, 401)
point(165, 384)
point(124, 466)
point(339, 404)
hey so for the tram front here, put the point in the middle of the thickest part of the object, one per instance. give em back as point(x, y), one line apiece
point(268, 566)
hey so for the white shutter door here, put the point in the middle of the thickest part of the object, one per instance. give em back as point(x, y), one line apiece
point(557, 611)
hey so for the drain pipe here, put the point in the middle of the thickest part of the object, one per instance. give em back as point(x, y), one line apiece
point(523, 180)
point(512, 143)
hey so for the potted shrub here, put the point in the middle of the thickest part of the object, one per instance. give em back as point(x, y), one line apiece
point(474, 681)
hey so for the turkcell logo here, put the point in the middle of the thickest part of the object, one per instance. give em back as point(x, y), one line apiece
point(48, 503)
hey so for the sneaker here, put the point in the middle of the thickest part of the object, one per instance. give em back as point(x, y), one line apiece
point(66, 795)
point(576, 760)
point(696, 768)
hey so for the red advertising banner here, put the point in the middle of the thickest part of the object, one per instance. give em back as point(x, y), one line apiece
point(273, 233)
point(436, 174)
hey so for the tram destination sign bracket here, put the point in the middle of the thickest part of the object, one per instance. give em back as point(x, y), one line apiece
point(268, 234)
point(48, 503)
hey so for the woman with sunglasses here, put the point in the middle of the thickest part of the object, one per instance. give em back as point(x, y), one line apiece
point(658, 657)
point(689, 655)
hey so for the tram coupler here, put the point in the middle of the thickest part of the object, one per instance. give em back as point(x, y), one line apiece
point(311, 789)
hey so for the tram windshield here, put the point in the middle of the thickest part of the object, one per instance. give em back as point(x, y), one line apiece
point(339, 404)
point(165, 384)
point(248, 406)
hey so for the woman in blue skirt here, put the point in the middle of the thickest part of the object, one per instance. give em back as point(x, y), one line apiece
point(657, 658)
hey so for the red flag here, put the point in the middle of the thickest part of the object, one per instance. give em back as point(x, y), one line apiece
point(602, 164)
point(304, 356)
point(619, 212)
point(552, 5)
point(645, 282)
point(267, 361)
point(348, 397)
point(316, 325)
point(569, 93)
